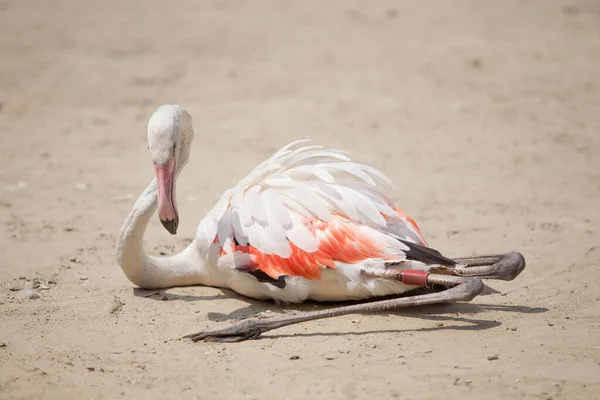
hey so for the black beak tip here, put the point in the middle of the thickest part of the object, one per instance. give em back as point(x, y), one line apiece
point(170, 225)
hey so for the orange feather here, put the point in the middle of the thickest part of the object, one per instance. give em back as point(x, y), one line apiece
point(340, 240)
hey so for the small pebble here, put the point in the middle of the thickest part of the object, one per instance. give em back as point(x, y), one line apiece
point(493, 357)
point(294, 357)
point(550, 324)
point(164, 297)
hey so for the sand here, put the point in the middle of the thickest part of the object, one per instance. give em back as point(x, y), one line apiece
point(485, 114)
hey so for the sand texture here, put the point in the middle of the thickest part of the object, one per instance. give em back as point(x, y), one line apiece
point(486, 114)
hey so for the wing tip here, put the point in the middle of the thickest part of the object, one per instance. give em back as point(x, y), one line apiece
point(426, 255)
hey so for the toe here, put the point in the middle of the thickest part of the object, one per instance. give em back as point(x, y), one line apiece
point(224, 339)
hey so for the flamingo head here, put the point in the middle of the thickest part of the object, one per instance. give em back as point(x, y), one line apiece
point(167, 134)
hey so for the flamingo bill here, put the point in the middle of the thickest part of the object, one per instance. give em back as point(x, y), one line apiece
point(167, 205)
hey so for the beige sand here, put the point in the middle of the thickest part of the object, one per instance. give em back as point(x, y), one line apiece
point(486, 115)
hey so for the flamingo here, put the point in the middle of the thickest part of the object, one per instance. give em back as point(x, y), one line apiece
point(306, 224)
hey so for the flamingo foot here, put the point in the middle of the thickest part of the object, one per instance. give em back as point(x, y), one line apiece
point(505, 267)
point(245, 330)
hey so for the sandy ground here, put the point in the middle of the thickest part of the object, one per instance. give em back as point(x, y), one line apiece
point(486, 115)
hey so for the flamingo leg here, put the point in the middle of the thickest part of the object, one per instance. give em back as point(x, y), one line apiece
point(459, 289)
point(462, 285)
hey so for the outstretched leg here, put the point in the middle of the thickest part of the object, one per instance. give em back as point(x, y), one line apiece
point(459, 289)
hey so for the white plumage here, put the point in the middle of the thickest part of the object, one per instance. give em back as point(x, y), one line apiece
point(267, 206)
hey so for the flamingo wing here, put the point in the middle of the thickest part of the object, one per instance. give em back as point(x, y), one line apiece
point(305, 208)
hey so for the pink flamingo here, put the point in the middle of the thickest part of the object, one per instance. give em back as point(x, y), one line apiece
point(307, 223)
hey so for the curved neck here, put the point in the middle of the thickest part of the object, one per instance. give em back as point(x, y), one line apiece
point(185, 268)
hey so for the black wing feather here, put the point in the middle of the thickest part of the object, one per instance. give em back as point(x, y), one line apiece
point(425, 255)
point(263, 277)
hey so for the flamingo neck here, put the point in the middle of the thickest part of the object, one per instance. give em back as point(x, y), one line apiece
point(185, 268)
